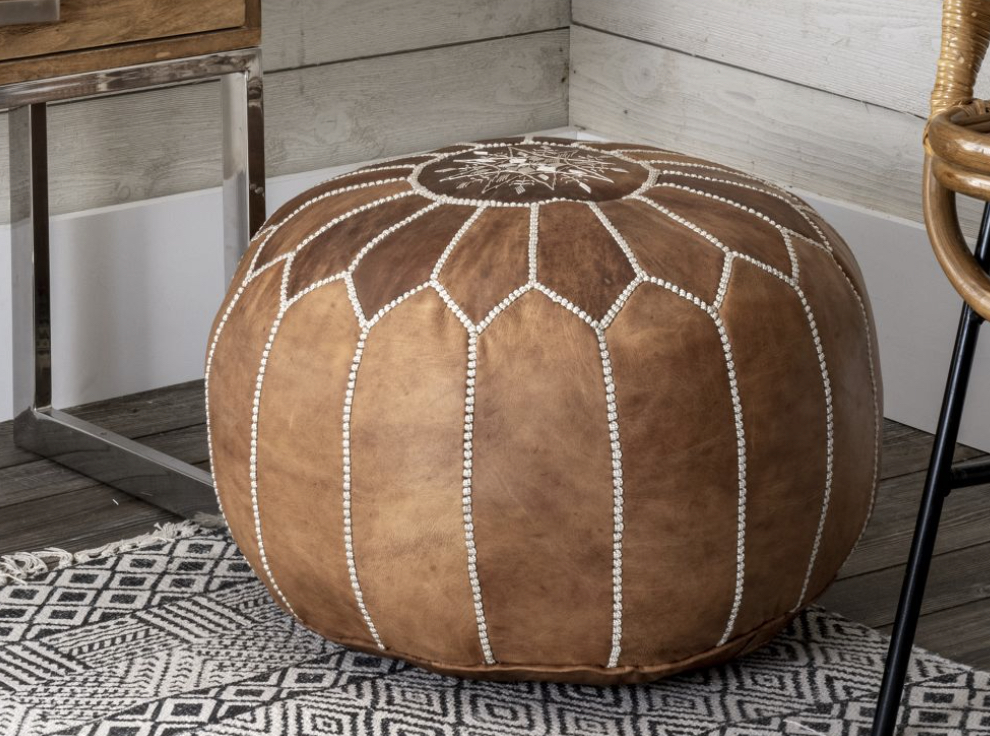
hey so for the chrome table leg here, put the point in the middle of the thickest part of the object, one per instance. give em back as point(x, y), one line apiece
point(31, 302)
point(243, 161)
point(98, 453)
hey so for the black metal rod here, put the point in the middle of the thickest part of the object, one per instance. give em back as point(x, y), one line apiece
point(970, 473)
point(937, 485)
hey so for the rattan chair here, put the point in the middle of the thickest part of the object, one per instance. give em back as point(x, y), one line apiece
point(957, 159)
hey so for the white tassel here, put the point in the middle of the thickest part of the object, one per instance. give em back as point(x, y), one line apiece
point(19, 566)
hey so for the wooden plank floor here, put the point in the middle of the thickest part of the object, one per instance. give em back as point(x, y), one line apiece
point(45, 505)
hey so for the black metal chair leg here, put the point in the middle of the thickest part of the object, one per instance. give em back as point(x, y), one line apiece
point(937, 486)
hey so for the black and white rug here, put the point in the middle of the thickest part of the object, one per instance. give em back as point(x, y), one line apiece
point(180, 638)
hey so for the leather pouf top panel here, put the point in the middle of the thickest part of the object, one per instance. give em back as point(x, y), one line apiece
point(544, 409)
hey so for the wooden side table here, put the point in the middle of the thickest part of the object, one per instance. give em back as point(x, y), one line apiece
point(50, 52)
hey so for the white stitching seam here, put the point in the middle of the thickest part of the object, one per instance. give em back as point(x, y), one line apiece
point(347, 476)
point(346, 492)
point(467, 502)
point(712, 312)
point(829, 445)
point(617, 499)
point(534, 237)
point(740, 475)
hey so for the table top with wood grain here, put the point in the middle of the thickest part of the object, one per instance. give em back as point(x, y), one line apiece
point(91, 35)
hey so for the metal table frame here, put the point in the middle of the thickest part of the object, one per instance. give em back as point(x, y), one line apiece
point(38, 426)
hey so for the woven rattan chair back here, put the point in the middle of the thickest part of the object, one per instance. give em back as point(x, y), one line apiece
point(957, 147)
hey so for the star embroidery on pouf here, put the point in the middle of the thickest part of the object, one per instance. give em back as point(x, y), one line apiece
point(522, 168)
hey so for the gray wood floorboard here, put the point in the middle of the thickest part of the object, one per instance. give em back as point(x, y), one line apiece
point(90, 517)
point(965, 522)
point(135, 416)
point(45, 505)
point(957, 577)
point(906, 450)
point(42, 478)
point(961, 633)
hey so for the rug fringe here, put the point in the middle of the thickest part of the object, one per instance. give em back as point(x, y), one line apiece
point(19, 566)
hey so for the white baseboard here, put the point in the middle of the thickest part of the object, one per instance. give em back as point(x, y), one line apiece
point(136, 287)
point(916, 312)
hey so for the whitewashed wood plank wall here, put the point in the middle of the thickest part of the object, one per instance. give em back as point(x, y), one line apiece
point(345, 81)
point(742, 80)
point(829, 97)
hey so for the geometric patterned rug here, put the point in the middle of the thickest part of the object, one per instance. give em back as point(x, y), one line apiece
point(180, 638)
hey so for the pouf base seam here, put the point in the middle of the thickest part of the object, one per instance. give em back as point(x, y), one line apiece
point(588, 674)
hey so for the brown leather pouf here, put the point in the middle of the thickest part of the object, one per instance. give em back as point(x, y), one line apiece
point(544, 409)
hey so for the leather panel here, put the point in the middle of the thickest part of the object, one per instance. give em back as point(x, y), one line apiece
point(779, 211)
point(490, 261)
point(232, 382)
point(333, 251)
point(579, 259)
point(300, 481)
point(456, 148)
point(407, 456)
point(336, 184)
point(619, 146)
point(414, 160)
point(843, 339)
point(507, 139)
point(675, 412)
point(843, 254)
point(240, 273)
point(405, 259)
point(552, 139)
point(666, 249)
point(783, 405)
point(293, 231)
point(737, 230)
point(543, 487)
point(651, 153)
